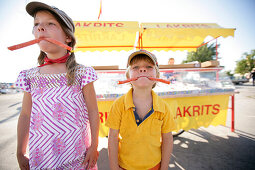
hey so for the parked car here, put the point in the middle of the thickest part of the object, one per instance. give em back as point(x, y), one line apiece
point(3, 91)
point(239, 80)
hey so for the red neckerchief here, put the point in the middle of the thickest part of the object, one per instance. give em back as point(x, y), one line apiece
point(59, 60)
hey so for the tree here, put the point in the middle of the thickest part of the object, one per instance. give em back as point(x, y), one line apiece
point(229, 73)
point(241, 67)
point(204, 53)
point(246, 63)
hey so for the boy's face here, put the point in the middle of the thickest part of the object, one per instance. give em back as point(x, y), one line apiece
point(142, 69)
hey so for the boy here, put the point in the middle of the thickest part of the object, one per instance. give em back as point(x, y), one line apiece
point(140, 122)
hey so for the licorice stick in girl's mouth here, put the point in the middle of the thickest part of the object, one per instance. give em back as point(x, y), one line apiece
point(25, 44)
point(151, 78)
point(58, 43)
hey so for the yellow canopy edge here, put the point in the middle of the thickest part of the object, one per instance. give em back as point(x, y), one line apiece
point(105, 35)
point(124, 35)
point(183, 36)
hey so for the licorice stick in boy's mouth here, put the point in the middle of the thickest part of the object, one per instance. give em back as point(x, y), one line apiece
point(159, 80)
point(150, 78)
point(126, 81)
point(25, 44)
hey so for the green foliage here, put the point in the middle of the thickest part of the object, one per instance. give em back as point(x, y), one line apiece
point(246, 64)
point(204, 53)
point(229, 73)
point(241, 67)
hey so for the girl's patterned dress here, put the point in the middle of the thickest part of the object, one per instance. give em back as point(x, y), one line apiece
point(59, 126)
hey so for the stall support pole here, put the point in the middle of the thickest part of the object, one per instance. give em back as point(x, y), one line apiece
point(233, 113)
point(216, 49)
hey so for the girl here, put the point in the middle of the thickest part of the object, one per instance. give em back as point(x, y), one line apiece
point(59, 116)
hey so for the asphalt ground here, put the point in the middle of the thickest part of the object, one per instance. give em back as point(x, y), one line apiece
point(204, 148)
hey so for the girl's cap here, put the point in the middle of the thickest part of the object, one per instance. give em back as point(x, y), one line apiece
point(147, 53)
point(33, 7)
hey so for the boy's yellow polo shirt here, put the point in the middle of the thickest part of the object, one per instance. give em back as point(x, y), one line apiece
point(139, 146)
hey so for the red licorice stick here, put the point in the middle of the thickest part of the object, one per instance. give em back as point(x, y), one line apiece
point(160, 80)
point(151, 78)
point(25, 44)
point(126, 81)
point(59, 43)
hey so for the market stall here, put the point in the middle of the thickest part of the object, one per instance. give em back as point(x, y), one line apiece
point(195, 97)
point(198, 96)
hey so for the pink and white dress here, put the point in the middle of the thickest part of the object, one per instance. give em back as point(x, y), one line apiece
point(59, 132)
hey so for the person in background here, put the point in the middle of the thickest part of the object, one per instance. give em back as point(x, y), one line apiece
point(170, 75)
point(59, 115)
point(171, 61)
point(140, 121)
point(253, 76)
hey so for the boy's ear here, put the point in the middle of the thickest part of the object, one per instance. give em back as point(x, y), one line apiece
point(127, 72)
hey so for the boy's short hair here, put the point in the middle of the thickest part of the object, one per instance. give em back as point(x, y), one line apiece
point(142, 55)
point(33, 7)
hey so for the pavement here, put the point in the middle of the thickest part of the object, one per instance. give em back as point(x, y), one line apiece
point(206, 148)
point(197, 149)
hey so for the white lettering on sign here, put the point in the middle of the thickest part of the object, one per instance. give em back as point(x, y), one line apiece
point(184, 26)
point(99, 24)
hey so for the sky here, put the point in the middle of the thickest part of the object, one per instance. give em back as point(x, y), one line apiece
point(17, 26)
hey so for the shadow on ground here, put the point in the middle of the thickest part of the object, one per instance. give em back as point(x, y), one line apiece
point(199, 149)
point(11, 116)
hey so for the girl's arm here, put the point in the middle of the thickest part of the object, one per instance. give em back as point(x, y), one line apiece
point(91, 102)
point(166, 150)
point(23, 131)
point(113, 145)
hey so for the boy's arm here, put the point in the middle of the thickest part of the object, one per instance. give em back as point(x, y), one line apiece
point(23, 131)
point(113, 145)
point(166, 150)
point(91, 102)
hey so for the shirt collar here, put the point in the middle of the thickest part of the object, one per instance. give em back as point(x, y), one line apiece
point(158, 104)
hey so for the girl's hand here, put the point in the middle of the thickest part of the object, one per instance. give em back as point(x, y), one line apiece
point(91, 157)
point(23, 162)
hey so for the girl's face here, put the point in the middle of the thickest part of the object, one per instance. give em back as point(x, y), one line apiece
point(142, 68)
point(47, 26)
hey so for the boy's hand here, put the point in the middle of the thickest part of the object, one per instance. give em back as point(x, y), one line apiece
point(23, 162)
point(91, 157)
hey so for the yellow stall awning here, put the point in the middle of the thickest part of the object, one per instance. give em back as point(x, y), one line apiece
point(179, 36)
point(125, 35)
point(105, 35)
